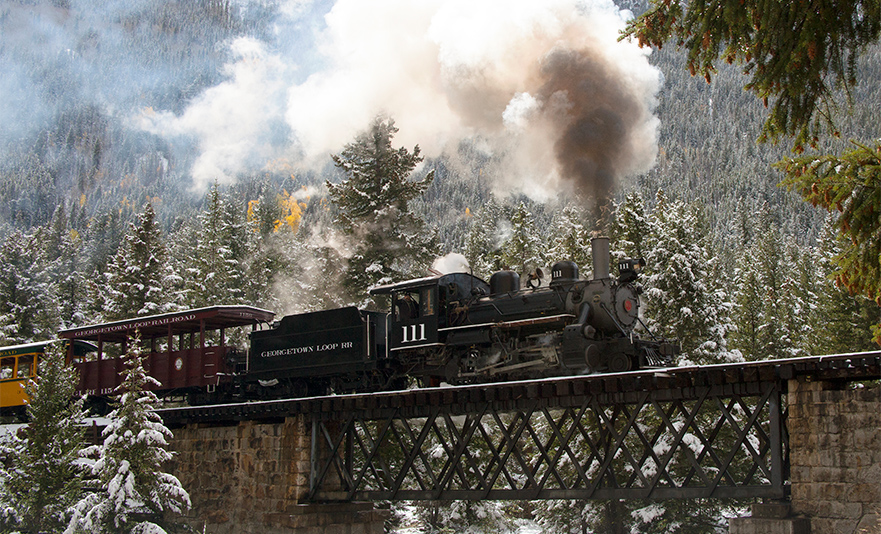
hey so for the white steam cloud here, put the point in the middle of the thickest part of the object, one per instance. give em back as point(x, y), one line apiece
point(546, 86)
point(451, 263)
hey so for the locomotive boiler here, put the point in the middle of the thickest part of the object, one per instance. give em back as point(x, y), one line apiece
point(455, 328)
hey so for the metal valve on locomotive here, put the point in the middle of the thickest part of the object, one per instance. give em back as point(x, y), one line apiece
point(456, 328)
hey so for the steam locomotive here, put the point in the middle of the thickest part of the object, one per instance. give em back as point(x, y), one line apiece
point(451, 328)
point(456, 328)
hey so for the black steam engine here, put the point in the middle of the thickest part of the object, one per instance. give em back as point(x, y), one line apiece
point(456, 328)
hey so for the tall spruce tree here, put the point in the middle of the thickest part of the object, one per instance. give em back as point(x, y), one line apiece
point(845, 317)
point(749, 311)
point(523, 251)
point(571, 239)
point(59, 263)
point(23, 292)
point(630, 226)
point(481, 243)
point(43, 478)
point(389, 242)
point(685, 300)
point(136, 496)
point(215, 272)
point(139, 280)
point(850, 187)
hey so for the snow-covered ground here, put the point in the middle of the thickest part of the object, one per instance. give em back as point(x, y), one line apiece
point(411, 524)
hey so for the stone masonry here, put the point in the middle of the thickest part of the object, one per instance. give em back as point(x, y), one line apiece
point(835, 444)
point(249, 479)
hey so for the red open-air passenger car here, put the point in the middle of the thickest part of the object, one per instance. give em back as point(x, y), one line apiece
point(185, 351)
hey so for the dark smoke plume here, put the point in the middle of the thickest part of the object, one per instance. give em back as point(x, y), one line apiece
point(595, 115)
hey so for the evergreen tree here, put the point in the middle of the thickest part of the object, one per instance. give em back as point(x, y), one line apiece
point(136, 496)
point(630, 226)
point(797, 57)
point(23, 307)
point(571, 239)
point(389, 242)
point(685, 302)
point(43, 479)
point(481, 243)
point(843, 319)
point(749, 308)
point(849, 185)
point(139, 280)
point(215, 273)
point(59, 264)
point(773, 338)
point(523, 251)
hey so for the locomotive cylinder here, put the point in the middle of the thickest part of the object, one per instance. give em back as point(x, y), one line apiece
point(600, 251)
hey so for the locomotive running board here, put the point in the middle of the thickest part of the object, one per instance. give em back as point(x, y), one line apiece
point(531, 322)
point(425, 345)
point(513, 324)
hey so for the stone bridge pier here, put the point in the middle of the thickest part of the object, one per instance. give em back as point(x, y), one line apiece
point(835, 463)
point(249, 478)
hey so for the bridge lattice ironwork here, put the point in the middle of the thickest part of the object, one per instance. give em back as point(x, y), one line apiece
point(706, 441)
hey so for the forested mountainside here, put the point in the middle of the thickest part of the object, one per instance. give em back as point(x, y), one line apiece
point(104, 215)
point(83, 185)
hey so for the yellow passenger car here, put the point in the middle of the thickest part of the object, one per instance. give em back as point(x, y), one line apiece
point(18, 365)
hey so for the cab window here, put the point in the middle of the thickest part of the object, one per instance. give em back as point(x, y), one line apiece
point(7, 368)
point(406, 305)
point(426, 298)
point(25, 365)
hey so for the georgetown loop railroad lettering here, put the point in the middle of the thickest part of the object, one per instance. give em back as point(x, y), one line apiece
point(307, 349)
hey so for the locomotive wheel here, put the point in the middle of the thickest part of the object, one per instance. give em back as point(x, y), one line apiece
point(619, 363)
point(592, 357)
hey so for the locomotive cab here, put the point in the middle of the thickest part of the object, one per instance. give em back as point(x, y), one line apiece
point(422, 308)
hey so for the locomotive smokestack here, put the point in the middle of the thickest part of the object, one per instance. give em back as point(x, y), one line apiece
point(600, 251)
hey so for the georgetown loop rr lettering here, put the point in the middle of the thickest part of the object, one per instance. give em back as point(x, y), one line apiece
point(307, 349)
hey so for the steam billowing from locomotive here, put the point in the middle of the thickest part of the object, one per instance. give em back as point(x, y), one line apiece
point(545, 89)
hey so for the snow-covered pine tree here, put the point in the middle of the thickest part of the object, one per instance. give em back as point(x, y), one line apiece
point(773, 339)
point(748, 313)
point(799, 296)
point(481, 243)
point(570, 239)
point(523, 251)
point(22, 292)
point(60, 266)
point(43, 479)
point(630, 227)
point(139, 280)
point(843, 320)
point(136, 496)
point(390, 243)
point(685, 302)
point(215, 274)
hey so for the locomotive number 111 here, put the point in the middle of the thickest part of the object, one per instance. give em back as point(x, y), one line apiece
point(413, 333)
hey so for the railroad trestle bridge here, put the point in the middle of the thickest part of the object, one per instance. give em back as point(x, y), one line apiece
point(685, 432)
